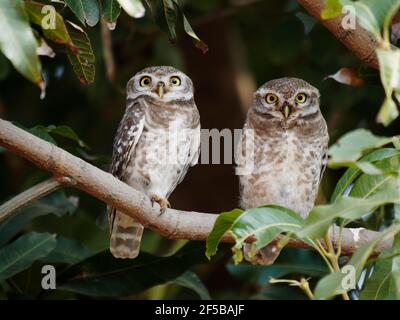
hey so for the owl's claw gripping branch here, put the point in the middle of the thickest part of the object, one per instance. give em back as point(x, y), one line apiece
point(162, 202)
point(176, 224)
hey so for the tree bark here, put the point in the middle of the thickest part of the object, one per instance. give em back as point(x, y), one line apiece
point(359, 41)
point(174, 224)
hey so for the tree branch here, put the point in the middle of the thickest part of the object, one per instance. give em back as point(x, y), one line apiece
point(26, 197)
point(359, 41)
point(174, 224)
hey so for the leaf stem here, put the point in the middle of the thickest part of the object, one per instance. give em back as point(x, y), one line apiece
point(334, 259)
point(302, 284)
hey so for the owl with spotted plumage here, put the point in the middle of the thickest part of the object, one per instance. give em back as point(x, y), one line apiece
point(158, 139)
point(287, 151)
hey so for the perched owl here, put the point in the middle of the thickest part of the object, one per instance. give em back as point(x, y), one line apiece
point(157, 140)
point(284, 142)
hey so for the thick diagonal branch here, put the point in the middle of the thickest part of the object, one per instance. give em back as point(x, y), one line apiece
point(174, 224)
point(358, 40)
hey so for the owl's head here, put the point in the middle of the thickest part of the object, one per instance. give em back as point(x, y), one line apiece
point(162, 83)
point(286, 99)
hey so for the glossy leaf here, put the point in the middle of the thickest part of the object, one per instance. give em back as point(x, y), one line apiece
point(83, 62)
point(367, 184)
point(87, 11)
point(59, 34)
point(104, 276)
point(384, 283)
point(350, 147)
point(321, 217)
point(352, 173)
point(375, 15)
point(265, 224)
point(191, 281)
point(56, 203)
point(20, 254)
point(222, 225)
point(17, 41)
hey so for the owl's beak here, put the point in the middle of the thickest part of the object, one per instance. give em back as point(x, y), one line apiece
point(286, 110)
point(160, 89)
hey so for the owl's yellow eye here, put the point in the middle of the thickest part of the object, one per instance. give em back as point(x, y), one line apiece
point(175, 81)
point(301, 98)
point(271, 98)
point(145, 81)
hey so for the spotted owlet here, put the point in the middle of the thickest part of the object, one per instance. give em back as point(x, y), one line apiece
point(157, 141)
point(286, 151)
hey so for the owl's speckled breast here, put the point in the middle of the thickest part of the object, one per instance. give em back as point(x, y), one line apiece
point(287, 169)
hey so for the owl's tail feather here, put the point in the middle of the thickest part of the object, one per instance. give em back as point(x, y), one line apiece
point(265, 256)
point(125, 238)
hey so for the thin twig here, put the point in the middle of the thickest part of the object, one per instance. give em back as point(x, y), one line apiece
point(26, 197)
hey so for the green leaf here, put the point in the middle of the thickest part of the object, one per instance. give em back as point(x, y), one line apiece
point(331, 285)
point(62, 131)
point(42, 133)
point(59, 34)
point(381, 285)
point(384, 283)
point(222, 225)
point(189, 30)
point(290, 261)
point(104, 276)
point(170, 17)
point(321, 217)
point(332, 9)
point(111, 11)
point(352, 173)
point(353, 145)
point(264, 223)
point(83, 62)
point(375, 15)
point(17, 41)
point(68, 251)
point(191, 281)
point(20, 254)
point(66, 132)
point(367, 184)
point(56, 203)
point(87, 11)
point(134, 8)
point(166, 13)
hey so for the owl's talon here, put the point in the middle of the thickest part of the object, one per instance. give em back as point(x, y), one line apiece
point(162, 202)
